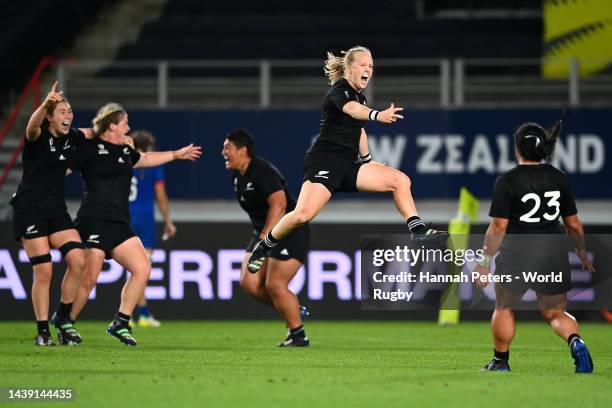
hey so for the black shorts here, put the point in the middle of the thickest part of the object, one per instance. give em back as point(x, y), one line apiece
point(335, 172)
point(522, 270)
point(103, 234)
point(295, 245)
point(29, 224)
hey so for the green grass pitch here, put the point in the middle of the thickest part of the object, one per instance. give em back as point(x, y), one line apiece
point(356, 364)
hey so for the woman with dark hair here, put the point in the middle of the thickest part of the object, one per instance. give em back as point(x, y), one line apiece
point(40, 218)
point(148, 188)
point(103, 220)
point(528, 200)
point(262, 192)
point(340, 160)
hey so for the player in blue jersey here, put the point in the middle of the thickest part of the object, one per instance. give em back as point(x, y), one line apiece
point(148, 187)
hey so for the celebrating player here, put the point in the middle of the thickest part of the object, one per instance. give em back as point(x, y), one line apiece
point(262, 192)
point(148, 187)
point(103, 220)
point(331, 163)
point(529, 200)
point(40, 218)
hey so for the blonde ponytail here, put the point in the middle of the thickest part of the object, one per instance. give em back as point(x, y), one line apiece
point(335, 66)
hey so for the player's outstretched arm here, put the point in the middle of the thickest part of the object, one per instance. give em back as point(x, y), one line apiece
point(362, 112)
point(152, 159)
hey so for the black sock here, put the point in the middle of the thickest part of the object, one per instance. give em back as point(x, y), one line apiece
point(269, 241)
point(64, 310)
point(43, 326)
point(501, 355)
point(416, 225)
point(298, 332)
point(122, 319)
point(571, 338)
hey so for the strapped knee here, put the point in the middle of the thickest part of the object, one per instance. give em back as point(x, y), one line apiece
point(40, 259)
point(69, 246)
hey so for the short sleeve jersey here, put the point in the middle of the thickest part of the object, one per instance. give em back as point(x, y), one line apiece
point(260, 180)
point(533, 197)
point(45, 161)
point(142, 192)
point(339, 131)
point(107, 173)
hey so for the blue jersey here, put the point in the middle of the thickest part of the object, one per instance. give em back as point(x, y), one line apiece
point(142, 202)
point(142, 194)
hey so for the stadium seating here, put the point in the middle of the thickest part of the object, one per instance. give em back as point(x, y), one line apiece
point(275, 29)
point(38, 28)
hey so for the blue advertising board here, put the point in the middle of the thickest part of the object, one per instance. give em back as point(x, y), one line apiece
point(441, 150)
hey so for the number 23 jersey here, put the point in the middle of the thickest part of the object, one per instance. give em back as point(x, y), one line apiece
point(533, 197)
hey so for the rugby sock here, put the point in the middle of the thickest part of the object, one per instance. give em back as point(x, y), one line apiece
point(269, 241)
point(572, 337)
point(43, 326)
point(298, 332)
point(122, 319)
point(143, 311)
point(501, 355)
point(64, 310)
point(416, 225)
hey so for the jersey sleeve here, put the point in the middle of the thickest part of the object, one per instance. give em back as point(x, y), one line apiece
point(568, 203)
point(76, 137)
point(267, 182)
point(339, 97)
point(134, 155)
point(501, 202)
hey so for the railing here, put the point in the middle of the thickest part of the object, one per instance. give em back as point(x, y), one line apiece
point(273, 84)
point(31, 88)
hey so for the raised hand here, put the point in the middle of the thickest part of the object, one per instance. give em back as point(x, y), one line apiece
point(390, 114)
point(53, 96)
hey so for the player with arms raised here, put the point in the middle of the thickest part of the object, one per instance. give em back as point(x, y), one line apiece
point(340, 160)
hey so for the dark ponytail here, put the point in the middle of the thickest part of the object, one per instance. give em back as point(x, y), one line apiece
point(534, 143)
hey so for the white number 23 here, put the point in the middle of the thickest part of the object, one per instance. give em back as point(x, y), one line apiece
point(553, 203)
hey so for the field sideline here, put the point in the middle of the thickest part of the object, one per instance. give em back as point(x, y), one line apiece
point(364, 364)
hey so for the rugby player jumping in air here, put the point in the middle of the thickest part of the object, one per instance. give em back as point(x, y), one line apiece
point(331, 164)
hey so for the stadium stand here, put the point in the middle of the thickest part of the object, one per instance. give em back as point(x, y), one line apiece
point(34, 29)
point(280, 30)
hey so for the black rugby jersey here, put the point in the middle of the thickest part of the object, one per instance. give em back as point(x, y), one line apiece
point(107, 173)
point(533, 197)
point(260, 180)
point(339, 132)
point(45, 161)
